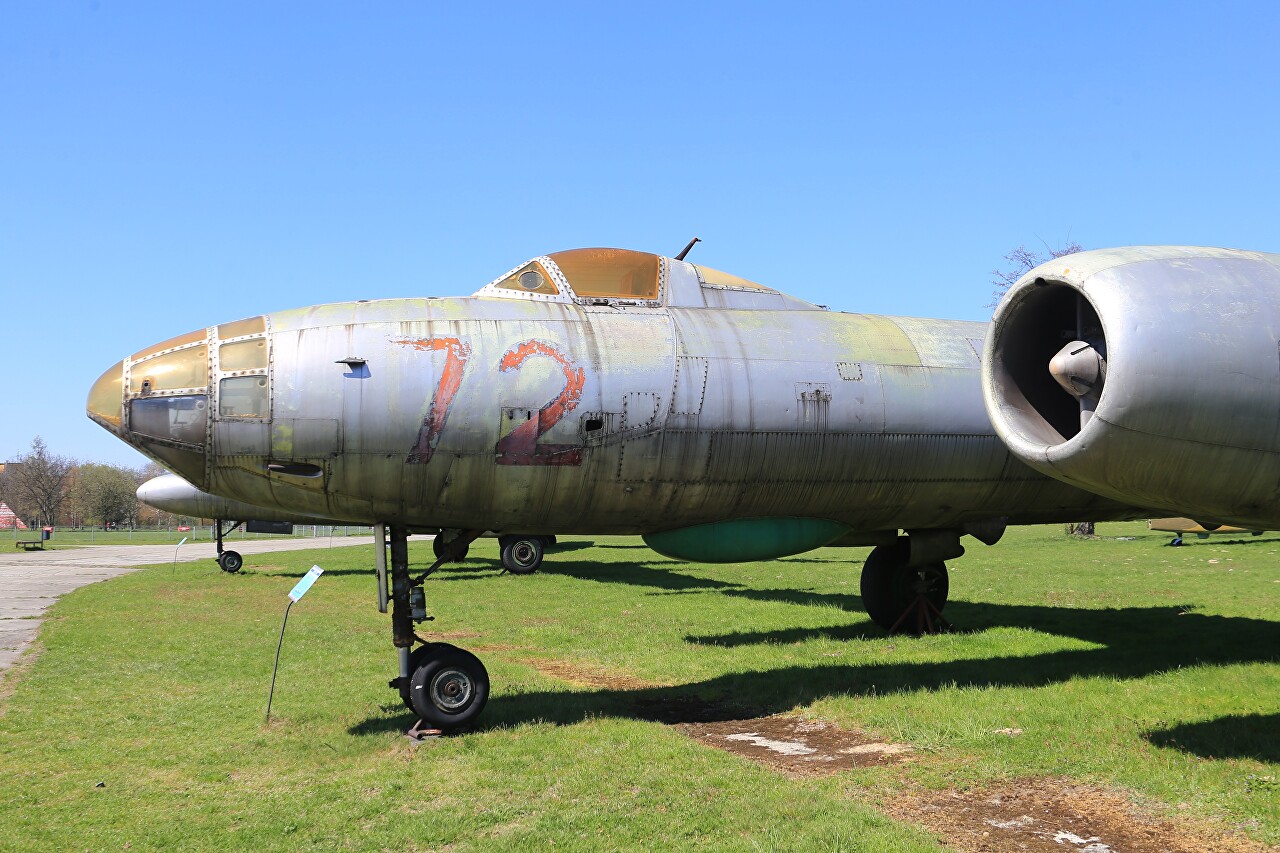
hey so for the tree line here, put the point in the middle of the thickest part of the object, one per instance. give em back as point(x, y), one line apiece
point(42, 487)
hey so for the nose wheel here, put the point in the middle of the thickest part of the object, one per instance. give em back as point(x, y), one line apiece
point(449, 687)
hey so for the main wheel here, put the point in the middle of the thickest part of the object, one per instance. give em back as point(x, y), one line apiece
point(450, 687)
point(521, 555)
point(230, 561)
point(889, 588)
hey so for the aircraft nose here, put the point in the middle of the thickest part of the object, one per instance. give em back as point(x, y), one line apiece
point(158, 401)
point(106, 398)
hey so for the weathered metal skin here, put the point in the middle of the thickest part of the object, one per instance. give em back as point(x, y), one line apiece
point(547, 414)
point(1185, 413)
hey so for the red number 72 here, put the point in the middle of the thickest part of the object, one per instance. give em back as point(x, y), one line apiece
point(520, 446)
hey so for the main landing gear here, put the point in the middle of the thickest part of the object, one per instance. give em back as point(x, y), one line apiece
point(447, 687)
point(521, 555)
point(228, 561)
point(905, 583)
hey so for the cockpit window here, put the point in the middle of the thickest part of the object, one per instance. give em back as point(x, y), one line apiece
point(611, 273)
point(530, 278)
point(716, 278)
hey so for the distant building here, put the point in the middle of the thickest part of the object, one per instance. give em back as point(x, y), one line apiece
point(9, 521)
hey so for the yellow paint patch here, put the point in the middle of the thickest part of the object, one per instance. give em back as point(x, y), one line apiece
point(876, 339)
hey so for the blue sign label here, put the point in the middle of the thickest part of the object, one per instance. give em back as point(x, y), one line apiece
point(305, 584)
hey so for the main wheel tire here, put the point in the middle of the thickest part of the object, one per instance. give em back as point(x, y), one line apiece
point(889, 588)
point(438, 545)
point(450, 688)
point(521, 555)
point(230, 561)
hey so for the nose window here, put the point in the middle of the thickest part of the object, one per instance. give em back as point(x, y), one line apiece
point(176, 418)
point(175, 371)
point(243, 355)
point(243, 397)
point(251, 326)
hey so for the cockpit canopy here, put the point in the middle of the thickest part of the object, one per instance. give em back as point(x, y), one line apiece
point(622, 277)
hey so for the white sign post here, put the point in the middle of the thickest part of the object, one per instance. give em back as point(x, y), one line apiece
point(295, 594)
point(175, 553)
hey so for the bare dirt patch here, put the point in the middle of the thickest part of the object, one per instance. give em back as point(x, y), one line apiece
point(1055, 815)
point(797, 746)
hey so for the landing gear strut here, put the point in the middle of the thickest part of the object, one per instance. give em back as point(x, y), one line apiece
point(228, 561)
point(447, 687)
point(903, 597)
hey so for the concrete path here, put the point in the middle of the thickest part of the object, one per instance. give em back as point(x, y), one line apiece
point(31, 582)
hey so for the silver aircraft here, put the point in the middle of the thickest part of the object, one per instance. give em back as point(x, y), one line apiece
point(600, 391)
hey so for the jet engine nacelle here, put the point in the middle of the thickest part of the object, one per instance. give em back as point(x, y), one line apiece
point(1150, 375)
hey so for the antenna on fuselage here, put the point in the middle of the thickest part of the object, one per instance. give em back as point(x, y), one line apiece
point(685, 250)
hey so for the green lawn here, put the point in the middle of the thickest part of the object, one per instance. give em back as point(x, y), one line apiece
point(1143, 669)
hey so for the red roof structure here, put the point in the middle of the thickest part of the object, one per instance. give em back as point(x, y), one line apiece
point(9, 521)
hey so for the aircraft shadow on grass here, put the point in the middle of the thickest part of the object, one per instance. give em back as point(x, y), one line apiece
point(1236, 736)
point(1135, 642)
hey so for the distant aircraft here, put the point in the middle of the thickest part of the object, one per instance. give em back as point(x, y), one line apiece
point(1202, 530)
point(600, 391)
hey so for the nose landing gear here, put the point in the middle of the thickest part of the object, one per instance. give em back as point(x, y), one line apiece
point(447, 687)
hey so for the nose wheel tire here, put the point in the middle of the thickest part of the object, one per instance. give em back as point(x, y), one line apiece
point(449, 687)
point(230, 561)
point(417, 659)
point(521, 555)
point(902, 599)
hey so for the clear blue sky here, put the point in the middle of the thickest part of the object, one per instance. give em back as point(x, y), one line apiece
point(167, 166)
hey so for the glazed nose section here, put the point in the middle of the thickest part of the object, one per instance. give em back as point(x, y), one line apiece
point(106, 398)
point(158, 401)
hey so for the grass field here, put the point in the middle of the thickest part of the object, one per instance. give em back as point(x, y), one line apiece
point(1148, 672)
